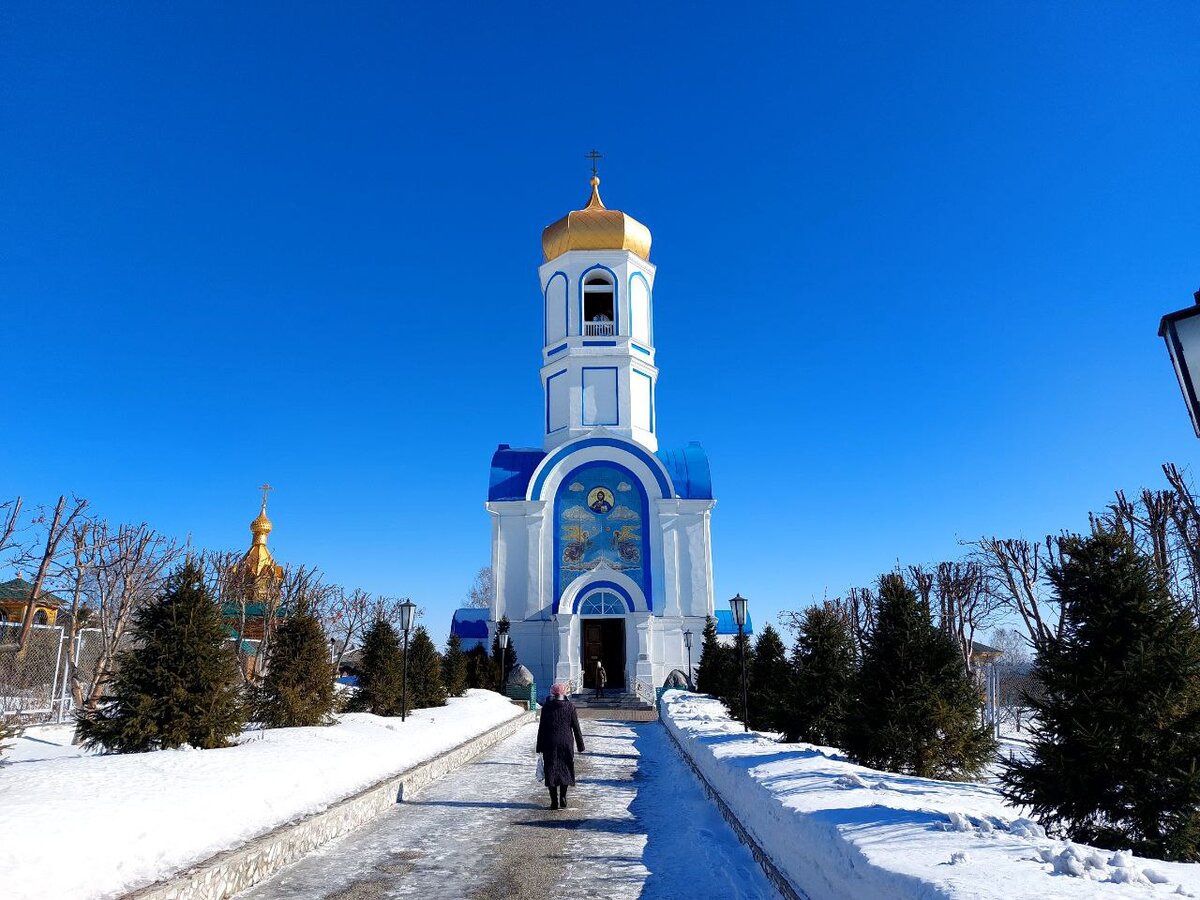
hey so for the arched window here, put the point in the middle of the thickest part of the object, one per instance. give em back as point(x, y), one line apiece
point(602, 603)
point(40, 618)
point(599, 307)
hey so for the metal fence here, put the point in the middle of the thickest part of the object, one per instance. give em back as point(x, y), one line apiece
point(35, 686)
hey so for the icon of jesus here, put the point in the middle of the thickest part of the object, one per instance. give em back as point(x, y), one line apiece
point(600, 501)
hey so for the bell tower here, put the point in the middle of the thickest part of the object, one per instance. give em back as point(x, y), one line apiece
point(598, 338)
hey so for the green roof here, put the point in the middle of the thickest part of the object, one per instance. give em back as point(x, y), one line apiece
point(20, 589)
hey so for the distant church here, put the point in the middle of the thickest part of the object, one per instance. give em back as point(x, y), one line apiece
point(601, 547)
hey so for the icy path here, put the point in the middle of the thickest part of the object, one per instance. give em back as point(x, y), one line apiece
point(638, 825)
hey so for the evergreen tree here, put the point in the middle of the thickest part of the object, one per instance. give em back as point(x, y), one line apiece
point(10, 728)
point(381, 671)
point(710, 671)
point(298, 688)
point(731, 685)
point(917, 708)
point(425, 686)
point(770, 679)
point(454, 667)
point(510, 655)
point(822, 688)
point(481, 672)
point(178, 684)
point(1116, 733)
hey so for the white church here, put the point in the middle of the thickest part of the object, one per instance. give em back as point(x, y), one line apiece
point(601, 547)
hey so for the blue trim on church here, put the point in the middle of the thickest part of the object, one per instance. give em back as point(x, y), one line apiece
point(726, 625)
point(628, 446)
point(513, 467)
point(689, 471)
point(471, 625)
point(511, 470)
point(606, 586)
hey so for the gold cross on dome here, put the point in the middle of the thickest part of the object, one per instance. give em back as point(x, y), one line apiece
point(265, 488)
point(594, 156)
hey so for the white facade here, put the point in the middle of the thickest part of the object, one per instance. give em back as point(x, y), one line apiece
point(601, 544)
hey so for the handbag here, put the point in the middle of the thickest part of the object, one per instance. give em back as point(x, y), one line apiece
point(540, 773)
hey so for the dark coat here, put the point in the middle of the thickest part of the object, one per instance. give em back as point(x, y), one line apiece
point(559, 724)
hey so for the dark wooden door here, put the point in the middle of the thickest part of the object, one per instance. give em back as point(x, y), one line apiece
point(604, 640)
point(593, 649)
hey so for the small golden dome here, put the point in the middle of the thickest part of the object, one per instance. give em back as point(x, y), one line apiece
point(261, 526)
point(595, 228)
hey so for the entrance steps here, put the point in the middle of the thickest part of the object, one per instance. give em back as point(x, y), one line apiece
point(623, 707)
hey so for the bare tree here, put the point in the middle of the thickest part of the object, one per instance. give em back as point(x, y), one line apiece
point(232, 585)
point(964, 604)
point(859, 608)
point(128, 573)
point(1014, 570)
point(10, 516)
point(482, 591)
point(80, 570)
point(345, 618)
point(59, 527)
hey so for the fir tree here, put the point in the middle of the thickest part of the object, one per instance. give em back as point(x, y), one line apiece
point(823, 665)
point(731, 685)
point(711, 676)
point(454, 667)
point(917, 708)
point(1116, 734)
point(770, 678)
point(425, 687)
point(381, 671)
point(178, 684)
point(298, 688)
point(481, 672)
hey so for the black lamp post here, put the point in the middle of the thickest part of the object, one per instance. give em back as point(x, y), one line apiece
point(1181, 331)
point(687, 642)
point(406, 617)
point(502, 637)
point(738, 605)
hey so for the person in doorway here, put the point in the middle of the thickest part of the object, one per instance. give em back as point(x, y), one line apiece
point(601, 679)
point(558, 737)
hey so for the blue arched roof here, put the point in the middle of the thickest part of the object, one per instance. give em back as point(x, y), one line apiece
point(471, 625)
point(513, 467)
point(726, 625)
point(689, 471)
point(511, 470)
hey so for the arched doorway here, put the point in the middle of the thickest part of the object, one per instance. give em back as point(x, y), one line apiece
point(602, 635)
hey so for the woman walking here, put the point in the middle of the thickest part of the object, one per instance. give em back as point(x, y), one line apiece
point(558, 736)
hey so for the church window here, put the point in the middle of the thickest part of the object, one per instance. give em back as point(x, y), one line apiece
point(599, 307)
point(602, 603)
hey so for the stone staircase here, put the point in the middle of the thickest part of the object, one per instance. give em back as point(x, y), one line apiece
point(625, 707)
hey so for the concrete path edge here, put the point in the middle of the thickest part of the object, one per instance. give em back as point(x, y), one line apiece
point(239, 868)
point(772, 871)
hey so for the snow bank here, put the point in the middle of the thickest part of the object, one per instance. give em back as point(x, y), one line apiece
point(98, 826)
point(845, 832)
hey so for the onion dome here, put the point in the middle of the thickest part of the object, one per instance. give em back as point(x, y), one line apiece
point(596, 228)
point(261, 526)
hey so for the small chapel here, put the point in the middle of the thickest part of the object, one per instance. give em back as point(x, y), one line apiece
point(601, 548)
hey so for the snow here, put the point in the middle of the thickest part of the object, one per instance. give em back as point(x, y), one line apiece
point(43, 742)
point(843, 831)
point(99, 826)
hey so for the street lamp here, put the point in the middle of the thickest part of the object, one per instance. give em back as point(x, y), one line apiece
point(1181, 331)
point(406, 617)
point(502, 637)
point(687, 642)
point(738, 605)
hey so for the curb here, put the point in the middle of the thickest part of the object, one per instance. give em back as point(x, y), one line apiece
point(773, 873)
point(240, 868)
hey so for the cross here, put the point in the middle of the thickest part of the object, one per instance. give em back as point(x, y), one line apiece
point(265, 488)
point(593, 156)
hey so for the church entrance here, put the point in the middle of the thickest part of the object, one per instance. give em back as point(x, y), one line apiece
point(604, 641)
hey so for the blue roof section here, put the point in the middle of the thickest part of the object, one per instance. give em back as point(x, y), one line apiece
point(726, 625)
point(511, 470)
point(689, 471)
point(470, 622)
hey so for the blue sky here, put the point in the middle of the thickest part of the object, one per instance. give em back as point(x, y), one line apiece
point(911, 263)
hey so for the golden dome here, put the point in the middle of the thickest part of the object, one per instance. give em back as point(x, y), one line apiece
point(596, 228)
point(261, 526)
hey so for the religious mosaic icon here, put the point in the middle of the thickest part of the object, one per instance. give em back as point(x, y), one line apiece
point(600, 526)
point(600, 500)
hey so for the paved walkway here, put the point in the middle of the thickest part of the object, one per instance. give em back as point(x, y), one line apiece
point(638, 825)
